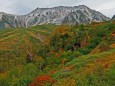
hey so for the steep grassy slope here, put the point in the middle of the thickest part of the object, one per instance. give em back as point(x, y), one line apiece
point(88, 70)
point(61, 55)
point(71, 60)
point(15, 44)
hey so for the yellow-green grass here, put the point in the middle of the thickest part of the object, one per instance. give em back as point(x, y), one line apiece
point(88, 70)
point(15, 44)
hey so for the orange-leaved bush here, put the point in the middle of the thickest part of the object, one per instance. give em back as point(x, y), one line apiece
point(42, 80)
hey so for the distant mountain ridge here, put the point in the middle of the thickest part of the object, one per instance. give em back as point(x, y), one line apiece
point(57, 15)
point(113, 18)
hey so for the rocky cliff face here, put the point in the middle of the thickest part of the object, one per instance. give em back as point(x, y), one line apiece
point(113, 18)
point(57, 15)
point(9, 20)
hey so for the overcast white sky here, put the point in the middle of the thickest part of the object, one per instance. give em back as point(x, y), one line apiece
point(107, 7)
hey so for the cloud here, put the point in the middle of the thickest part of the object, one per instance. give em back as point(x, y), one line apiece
point(5, 5)
point(26, 6)
point(107, 7)
point(109, 12)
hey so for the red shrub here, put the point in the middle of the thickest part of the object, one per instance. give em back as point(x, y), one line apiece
point(61, 49)
point(106, 66)
point(113, 34)
point(56, 55)
point(52, 71)
point(83, 43)
point(63, 60)
point(41, 80)
point(51, 51)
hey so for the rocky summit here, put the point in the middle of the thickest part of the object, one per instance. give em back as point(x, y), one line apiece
point(57, 15)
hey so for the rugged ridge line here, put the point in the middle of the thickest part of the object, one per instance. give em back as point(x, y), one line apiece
point(57, 15)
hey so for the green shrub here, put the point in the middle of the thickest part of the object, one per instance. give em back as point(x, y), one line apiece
point(92, 43)
point(69, 55)
point(111, 76)
point(20, 76)
point(84, 51)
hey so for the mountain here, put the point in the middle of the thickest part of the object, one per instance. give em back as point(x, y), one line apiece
point(10, 20)
point(57, 15)
point(113, 18)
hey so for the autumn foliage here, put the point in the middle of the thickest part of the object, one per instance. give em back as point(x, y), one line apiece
point(42, 80)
